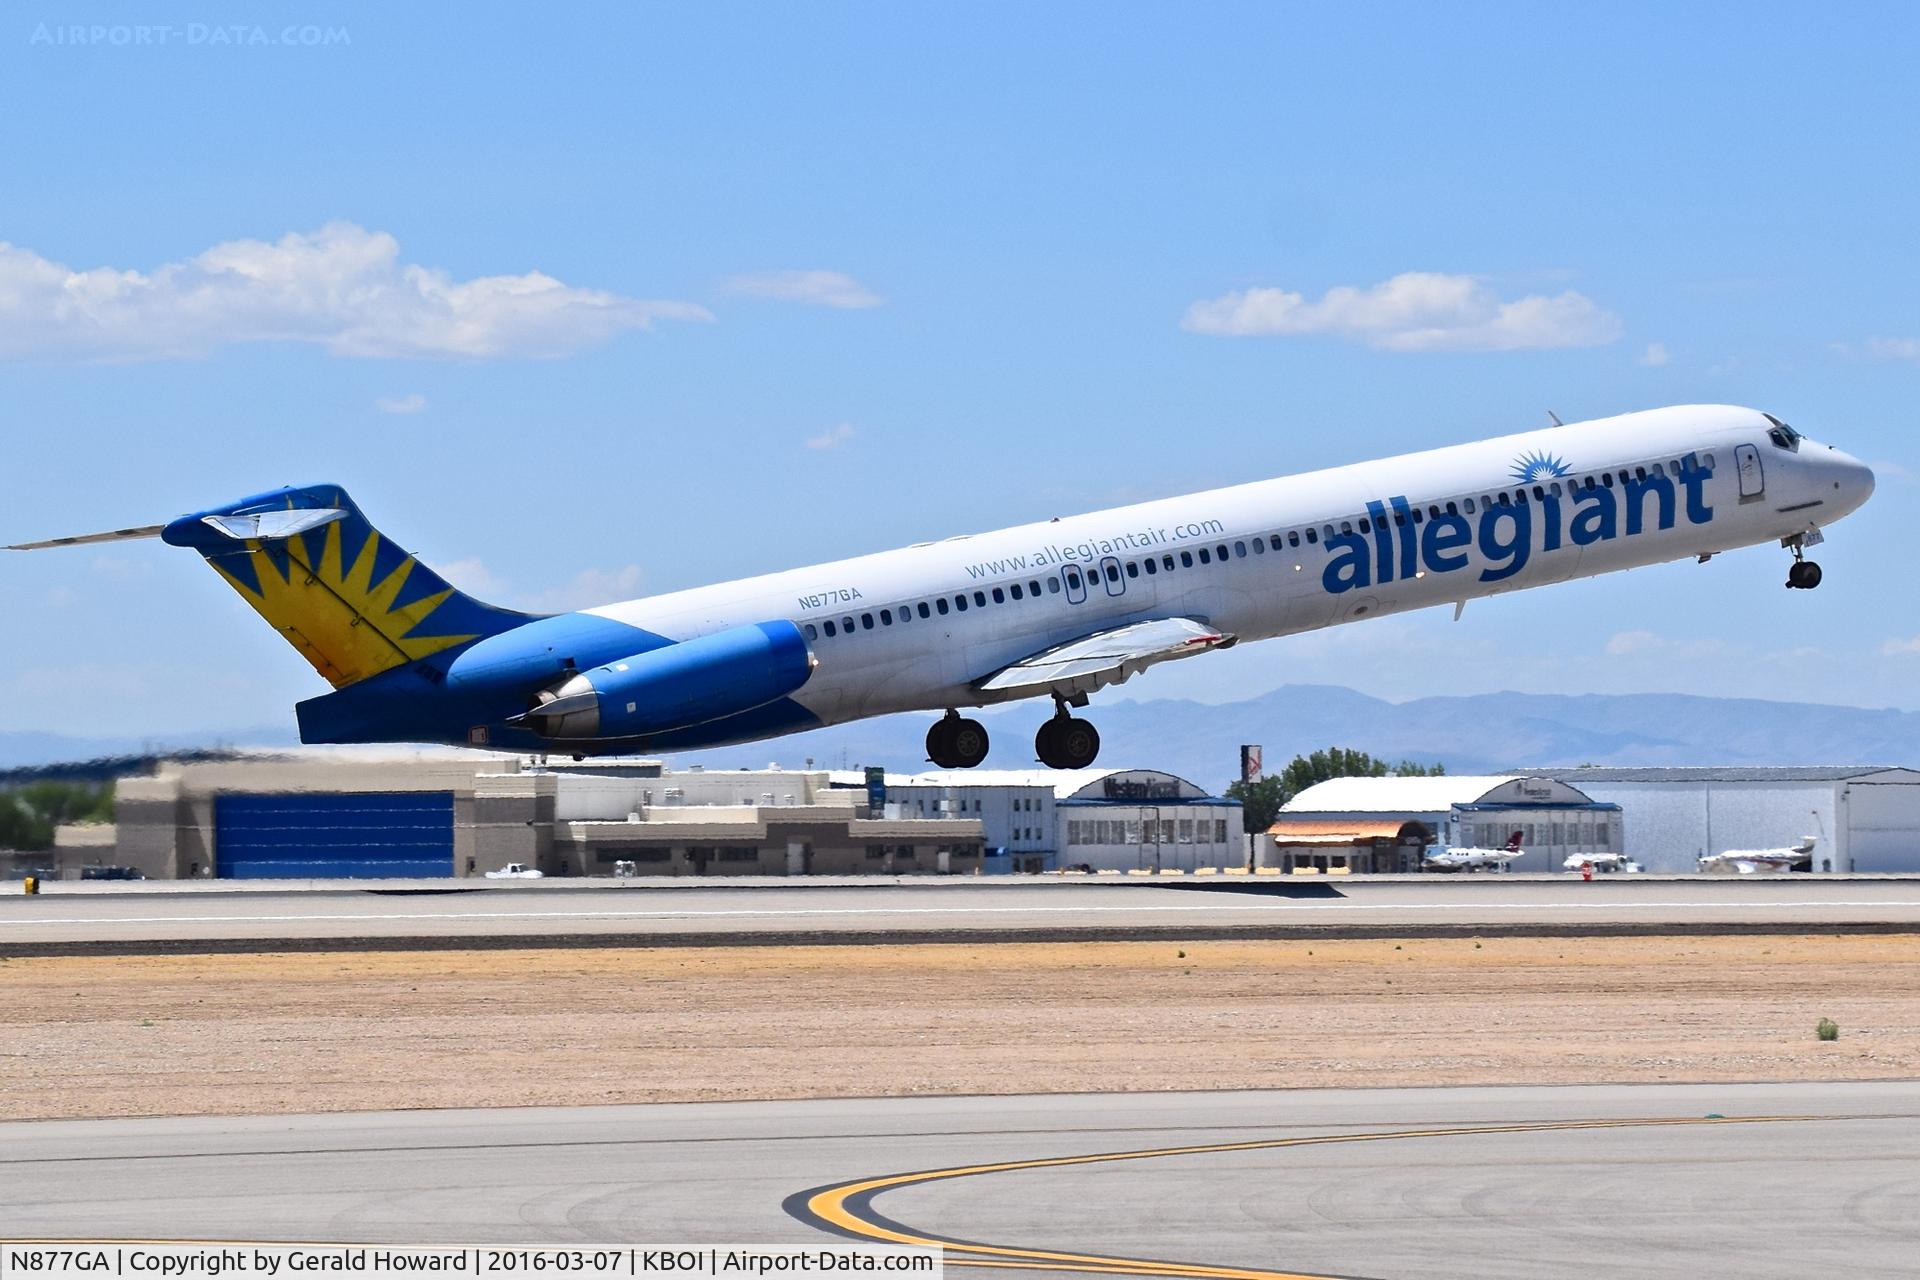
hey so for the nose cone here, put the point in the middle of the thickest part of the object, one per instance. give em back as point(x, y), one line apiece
point(1852, 480)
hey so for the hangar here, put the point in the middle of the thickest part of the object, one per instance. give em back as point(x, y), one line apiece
point(1383, 824)
point(310, 815)
point(1863, 818)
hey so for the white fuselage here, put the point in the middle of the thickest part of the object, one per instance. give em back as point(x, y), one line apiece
point(1282, 556)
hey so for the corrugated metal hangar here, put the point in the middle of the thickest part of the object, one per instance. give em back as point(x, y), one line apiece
point(1861, 819)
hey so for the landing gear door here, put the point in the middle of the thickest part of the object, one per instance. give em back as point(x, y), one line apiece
point(1752, 482)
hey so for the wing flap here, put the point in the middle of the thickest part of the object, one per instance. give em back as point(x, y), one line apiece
point(1105, 657)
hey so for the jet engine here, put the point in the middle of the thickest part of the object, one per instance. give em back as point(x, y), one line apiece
point(682, 684)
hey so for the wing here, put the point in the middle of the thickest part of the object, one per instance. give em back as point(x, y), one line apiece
point(1105, 657)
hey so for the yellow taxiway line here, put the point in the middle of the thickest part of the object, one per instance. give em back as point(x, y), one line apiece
point(846, 1208)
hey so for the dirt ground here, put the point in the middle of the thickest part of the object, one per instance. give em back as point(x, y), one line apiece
point(283, 1033)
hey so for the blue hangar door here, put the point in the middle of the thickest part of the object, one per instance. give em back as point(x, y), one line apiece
point(334, 834)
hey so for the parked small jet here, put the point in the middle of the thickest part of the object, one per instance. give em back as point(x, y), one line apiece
point(1748, 862)
point(1469, 859)
point(1056, 610)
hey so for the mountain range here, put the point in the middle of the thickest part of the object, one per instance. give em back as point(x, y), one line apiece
point(1481, 733)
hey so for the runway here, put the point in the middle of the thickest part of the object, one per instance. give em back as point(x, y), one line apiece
point(927, 909)
point(1657, 1181)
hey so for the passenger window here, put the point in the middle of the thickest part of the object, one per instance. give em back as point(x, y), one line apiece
point(940, 604)
point(1313, 535)
point(922, 608)
point(1364, 526)
point(999, 596)
point(1221, 551)
point(1186, 559)
point(1073, 579)
point(846, 625)
point(1204, 557)
point(1607, 479)
point(1240, 550)
point(1053, 586)
point(1260, 545)
point(812, 633)
point(1133, 568)
point(1276, 542)
point(1293, 538)
point(1152, 567)
point(1166, 562)
point(960, 603)
point(828, 624)
point(1467, 503)
point(866, 622)
point(1015, 588)
point(886, 617)
point(980, 598)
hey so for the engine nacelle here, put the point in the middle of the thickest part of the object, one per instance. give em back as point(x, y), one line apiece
point(682, 684)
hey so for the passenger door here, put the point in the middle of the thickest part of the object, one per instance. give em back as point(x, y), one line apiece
point(1753, 482)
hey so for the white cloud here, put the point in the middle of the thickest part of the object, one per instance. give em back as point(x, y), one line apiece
point(584, 590)
point(1414, 311)
point(342, 287)
point(1884, 470)
point(1655, 356)
point(412, 403)
point(1898, 648)
point(1650, 644)
point(1894, 349)
point(821, 288)
point(590, 587)
point(833, 437)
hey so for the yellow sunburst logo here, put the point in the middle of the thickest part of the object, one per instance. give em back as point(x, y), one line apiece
point(334, 613)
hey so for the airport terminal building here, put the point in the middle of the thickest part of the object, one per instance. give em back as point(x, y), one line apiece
point(328, 814)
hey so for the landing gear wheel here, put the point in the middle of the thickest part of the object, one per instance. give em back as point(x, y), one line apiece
point(954, 743)
point(1066, 743)
point(1804, 575)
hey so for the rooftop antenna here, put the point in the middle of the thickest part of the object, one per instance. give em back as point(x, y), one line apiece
point(1556, 418)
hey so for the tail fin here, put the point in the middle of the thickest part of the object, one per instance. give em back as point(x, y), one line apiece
point(349, 599)
point(1513, 842)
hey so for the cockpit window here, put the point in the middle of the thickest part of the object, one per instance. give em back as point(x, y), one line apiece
point(1782, 435)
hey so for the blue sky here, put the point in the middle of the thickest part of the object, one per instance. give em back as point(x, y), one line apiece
point(821, 280)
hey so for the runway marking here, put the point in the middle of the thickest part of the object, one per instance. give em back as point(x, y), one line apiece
point(846, 1208)
point(790, 912)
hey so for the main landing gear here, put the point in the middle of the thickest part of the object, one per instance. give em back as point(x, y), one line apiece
point(1803, 574)
point(1066, 742)
point(954, 743)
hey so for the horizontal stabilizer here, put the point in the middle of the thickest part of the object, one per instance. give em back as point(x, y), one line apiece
point(273, 524)
point(115, 535)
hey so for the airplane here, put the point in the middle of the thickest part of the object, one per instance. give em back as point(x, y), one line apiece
point(1747, 862)
point(1602, 862)
point(1469, 859)
point(1058, 609)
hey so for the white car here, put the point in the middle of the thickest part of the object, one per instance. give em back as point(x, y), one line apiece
point(517, 871)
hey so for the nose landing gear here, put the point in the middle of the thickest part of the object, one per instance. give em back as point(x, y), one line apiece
point(1804, 575)
point(1066, 742)
point(954, 743)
